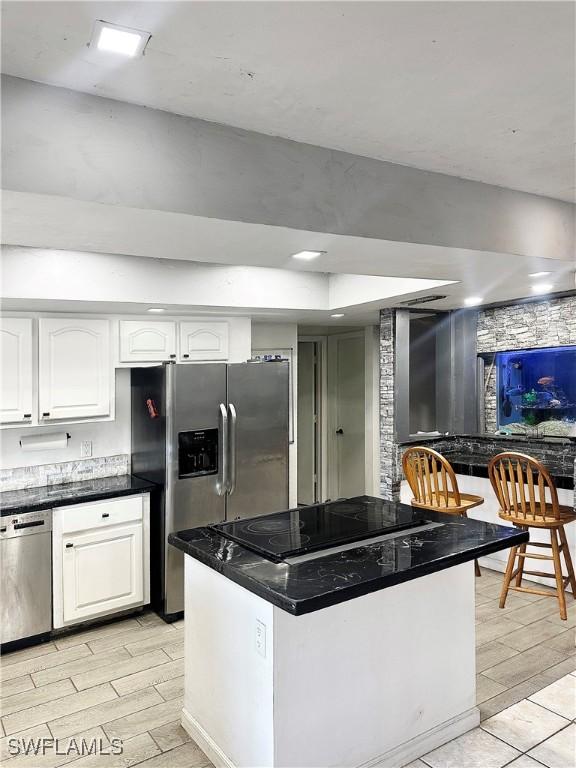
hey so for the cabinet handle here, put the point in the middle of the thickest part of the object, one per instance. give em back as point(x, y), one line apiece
point(105, 514)
point(69, 545)
point(47, 413)
point(27, 415)
point(185, 355)
point(172, 356)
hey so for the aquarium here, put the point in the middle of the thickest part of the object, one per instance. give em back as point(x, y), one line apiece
point(536, 391)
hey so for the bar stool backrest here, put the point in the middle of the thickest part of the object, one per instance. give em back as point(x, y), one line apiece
point(430, 477)
point(520, 483)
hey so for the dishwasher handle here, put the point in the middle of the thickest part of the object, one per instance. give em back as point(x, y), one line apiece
point(26, 524)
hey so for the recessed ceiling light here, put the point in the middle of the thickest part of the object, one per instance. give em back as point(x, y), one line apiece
point(156, 309)
point(473, 301)
point(307, 255)
point(338, 314)
point(113, 38)
point(539, 274)
point(542, 288)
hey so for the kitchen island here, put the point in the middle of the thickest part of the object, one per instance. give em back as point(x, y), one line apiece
point(340, 634)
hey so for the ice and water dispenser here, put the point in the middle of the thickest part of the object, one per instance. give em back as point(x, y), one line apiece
point(197, 453)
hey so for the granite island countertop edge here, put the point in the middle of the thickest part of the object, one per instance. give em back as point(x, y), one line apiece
point(244, 572)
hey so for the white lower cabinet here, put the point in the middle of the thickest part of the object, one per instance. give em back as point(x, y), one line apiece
point(101, 558)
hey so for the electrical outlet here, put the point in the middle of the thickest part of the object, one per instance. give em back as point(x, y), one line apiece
point(260, 638)
point(86, 449)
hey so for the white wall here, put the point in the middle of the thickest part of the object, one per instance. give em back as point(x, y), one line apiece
point(49, 274)
point(109, 438)
point(75, 145)
point(283, 336)
point(230, 691)
point(340, 686)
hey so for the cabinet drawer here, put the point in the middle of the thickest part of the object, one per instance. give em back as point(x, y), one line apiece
point(97, 514)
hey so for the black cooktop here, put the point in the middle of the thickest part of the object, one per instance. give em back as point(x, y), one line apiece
point(319, 526)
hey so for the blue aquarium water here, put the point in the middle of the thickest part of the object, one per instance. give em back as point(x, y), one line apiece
point(536, 391)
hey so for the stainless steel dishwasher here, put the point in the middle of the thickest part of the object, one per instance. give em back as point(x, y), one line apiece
point(25, 575)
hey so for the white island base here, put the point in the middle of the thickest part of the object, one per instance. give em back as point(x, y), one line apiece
point(375, 681)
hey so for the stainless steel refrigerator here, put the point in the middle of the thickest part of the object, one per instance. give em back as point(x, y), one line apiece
point(214, 438)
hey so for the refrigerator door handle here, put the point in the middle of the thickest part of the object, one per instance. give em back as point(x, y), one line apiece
point(222, 483)
point(232, 483)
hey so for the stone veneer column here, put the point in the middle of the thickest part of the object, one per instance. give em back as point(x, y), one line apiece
point(389, 479)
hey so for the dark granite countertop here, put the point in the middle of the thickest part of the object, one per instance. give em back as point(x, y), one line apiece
point(49, 496)
point(489, 437)
point(328, 579)
point(470, 454)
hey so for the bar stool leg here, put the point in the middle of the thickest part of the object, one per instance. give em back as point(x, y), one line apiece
point(522, 550)
point(558, 572)
point(508, 576)
point(477, 570)
point(568, 559)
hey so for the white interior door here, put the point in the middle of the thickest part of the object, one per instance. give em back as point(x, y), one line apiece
point(346, 387)
point(307, 423)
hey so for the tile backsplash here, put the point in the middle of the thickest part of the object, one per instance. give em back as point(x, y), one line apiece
point(63, 472)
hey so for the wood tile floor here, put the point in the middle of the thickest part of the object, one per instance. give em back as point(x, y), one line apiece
point(124, 680)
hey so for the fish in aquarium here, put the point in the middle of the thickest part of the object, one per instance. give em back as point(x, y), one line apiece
point(537, 389)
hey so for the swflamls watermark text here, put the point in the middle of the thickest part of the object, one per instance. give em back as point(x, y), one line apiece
point(64, 747)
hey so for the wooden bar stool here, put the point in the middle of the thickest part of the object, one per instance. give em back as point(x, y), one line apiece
point(520, 484)
point(434, 485)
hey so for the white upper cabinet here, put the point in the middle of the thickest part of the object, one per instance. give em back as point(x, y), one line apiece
point(74, 368)
point(204, 340)
point(16, 384)
point(144, 341)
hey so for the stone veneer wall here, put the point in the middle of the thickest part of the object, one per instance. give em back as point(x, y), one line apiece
point(19, 478)
point(548, 323)
point(545, 323)
point(389, 477)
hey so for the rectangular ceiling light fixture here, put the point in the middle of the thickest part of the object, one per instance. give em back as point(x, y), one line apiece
point(113, 38)
point(307, 255)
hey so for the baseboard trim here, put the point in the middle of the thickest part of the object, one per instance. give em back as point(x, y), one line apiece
point(205, 741)
point(401, 755)
point(420, 745)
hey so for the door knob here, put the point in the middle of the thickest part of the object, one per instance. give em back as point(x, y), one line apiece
point(340, 431)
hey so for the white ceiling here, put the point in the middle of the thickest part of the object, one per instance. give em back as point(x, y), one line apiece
point(481, 90)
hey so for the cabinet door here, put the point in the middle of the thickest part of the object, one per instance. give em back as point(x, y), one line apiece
point(102, 571)
point(142, 341)
point(204, 340)
point(75, 369)
point(16, 366)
